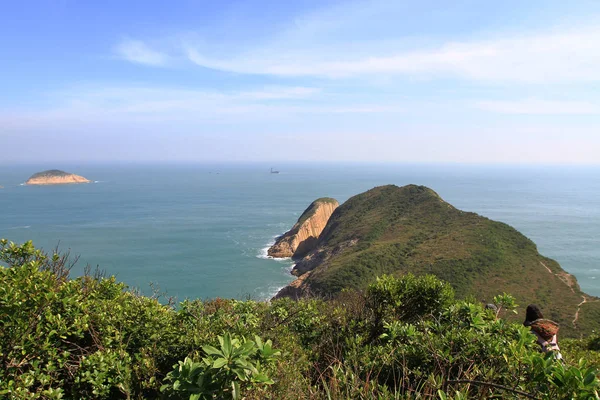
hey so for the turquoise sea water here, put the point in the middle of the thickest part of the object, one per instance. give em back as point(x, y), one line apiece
point(201, 231)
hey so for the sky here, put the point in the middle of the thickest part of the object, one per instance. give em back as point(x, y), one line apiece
point(466, 81)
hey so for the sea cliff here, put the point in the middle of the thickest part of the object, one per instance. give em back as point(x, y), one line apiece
point(55, 177)
point(303, 236)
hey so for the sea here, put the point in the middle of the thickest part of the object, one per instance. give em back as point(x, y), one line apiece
point(203, 230)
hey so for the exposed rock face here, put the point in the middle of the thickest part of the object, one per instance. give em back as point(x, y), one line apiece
point(55, 177)
point(295, 290)
point(304, 235)
point(319, 256)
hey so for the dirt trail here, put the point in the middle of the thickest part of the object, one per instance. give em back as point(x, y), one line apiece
point(563, 276)
point(568, 280)
point(578, 308)
point(545, 266)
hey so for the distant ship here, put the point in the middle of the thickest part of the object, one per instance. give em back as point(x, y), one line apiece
point(274, 171)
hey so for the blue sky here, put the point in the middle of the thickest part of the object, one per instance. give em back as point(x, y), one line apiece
point(388, 80)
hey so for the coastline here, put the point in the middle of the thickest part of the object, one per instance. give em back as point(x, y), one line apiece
point(179, 225)
point(263, 254)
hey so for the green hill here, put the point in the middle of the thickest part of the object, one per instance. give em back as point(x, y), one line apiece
point(396, 230)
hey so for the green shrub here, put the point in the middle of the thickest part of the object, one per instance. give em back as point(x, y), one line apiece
point(409, 298)
point(404, 337)
point(224, 372)
point(103, 375)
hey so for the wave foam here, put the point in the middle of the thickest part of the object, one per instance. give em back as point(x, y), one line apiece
point(287, 267)
point(19, 227)
point(272, 290)
point(264, 252)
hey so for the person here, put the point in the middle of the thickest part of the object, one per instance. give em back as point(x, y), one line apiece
point(545, 330)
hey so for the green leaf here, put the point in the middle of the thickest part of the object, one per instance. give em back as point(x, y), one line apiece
point(589, 378)
point(235, 394)
point(200, 381)
point(243, 363)
point(262, 378)
point(226, 345)
point(241, 373)
point(219, 363)
point(211, 351)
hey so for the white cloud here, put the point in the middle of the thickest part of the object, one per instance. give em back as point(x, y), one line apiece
point(137, 51)
point(358, 39)
point(534, 58)
point(540, 107)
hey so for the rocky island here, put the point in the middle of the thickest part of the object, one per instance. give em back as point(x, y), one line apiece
point(303, 236)
point(411, 229)
point(55, 177)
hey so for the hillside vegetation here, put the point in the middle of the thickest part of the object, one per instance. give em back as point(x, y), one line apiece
point(398, 230)
point(401, 338)
point(51, 173)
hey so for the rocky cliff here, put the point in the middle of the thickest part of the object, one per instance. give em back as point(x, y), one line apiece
point(55, 177)
point(304, 235)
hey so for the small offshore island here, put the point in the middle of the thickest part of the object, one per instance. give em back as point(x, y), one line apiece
point(55, 177)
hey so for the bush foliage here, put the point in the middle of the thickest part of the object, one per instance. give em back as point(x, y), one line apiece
point(403, 337)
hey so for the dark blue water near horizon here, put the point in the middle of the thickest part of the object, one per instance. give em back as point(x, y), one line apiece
point(201, 231)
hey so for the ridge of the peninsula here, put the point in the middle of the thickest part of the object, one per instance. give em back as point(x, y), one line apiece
point(411, 229)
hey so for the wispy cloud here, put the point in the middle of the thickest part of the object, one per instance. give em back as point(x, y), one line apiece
point(152, 104)
point(344, 41)
point(535, 58)
point(534, 106)
point(138, 52)
point(279, 93)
